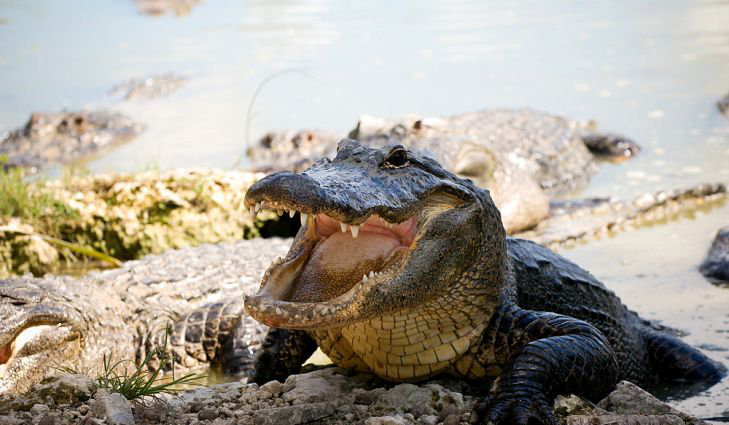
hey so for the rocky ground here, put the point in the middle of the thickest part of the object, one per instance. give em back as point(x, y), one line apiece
point(127, 216)
point(327, 396)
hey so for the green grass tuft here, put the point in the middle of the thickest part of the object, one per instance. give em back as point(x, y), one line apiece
point(135, 381)
point(18, 200)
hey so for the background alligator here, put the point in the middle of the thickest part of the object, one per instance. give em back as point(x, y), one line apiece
point(428, 283)
point(163, 7)
point(723, 104)
point(523, 156)
point(62, 137)
point(149, 87)
point(716, 265)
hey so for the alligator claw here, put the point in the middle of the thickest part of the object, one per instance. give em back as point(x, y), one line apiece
point(521, 409)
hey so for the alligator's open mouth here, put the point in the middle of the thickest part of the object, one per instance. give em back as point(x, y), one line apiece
point(29, 340)
point(335, 264)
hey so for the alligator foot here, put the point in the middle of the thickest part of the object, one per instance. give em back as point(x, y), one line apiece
point(518, 408)
point(611, 145)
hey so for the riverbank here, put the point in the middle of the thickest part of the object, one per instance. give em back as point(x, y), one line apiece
point(125, 216)
point(327, 396)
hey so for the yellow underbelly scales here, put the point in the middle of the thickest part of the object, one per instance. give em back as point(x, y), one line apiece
point(410, 346)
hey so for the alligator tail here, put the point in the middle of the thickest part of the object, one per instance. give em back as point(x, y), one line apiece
point(671, 359)
point(570, 221)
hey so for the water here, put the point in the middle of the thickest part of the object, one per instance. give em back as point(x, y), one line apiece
point(652, 71)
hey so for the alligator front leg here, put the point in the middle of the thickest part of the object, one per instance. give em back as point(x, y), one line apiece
point(552, 354)
point(282, 354)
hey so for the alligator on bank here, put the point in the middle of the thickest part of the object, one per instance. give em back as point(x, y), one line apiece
point(63, 137)
point(523, 156)
point(716, 265)
point(436, 287)
point(428, 283)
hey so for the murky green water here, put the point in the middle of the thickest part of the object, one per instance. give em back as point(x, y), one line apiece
point(652, 70)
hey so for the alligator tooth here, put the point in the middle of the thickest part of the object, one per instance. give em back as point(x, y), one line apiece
point(253, 211)
point(258, 206)
point(279, 212)
point(355, 231)
point(303, 218)
point(292, 213)
point(278, 311)
point(372, 274)
point(364, 278)
point(343, 226)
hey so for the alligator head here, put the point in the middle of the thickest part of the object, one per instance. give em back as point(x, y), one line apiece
point(38, 330)
point(383, 230)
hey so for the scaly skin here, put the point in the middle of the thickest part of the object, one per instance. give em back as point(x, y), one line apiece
point(522, 156)
point(124, 313)
point(449, 294)
point(62, 137)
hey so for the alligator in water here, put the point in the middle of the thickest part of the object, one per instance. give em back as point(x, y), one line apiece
point(163, 7)
point(62, 137)
point(404, 270)
point(723, 105)
point(429, 284)
point(716, 265)
point(149, 87)
point(523, 156)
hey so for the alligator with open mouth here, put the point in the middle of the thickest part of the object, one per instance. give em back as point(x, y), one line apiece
point(401, 269)
point(404, 270)
point(523, 156)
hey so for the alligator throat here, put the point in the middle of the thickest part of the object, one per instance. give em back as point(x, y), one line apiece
point(345, 255)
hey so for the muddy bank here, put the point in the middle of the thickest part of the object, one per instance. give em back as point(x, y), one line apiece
point(128, 216)
point(327, 396)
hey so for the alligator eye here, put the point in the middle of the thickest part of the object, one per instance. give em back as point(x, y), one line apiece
point(396, 158)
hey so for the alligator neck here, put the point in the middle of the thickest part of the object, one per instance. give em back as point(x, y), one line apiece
point(418, 343)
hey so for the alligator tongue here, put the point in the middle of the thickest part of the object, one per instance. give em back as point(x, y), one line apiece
point(338, 263)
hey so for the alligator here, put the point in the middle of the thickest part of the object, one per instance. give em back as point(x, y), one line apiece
point(149, 87)
point(57, 321)
point(63, 137)
point(163, 7)
point(716, 265)
point(404, 270)
point(523, 156)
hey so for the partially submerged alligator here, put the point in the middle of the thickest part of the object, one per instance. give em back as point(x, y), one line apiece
point(523, 156)
point(62, 137)
point(163, 7)
point(716, 265)
point(149, 87)
point(456, 286)
point(723, 104)
point(428, 283)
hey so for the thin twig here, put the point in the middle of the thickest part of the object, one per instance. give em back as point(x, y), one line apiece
point(251, 103)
